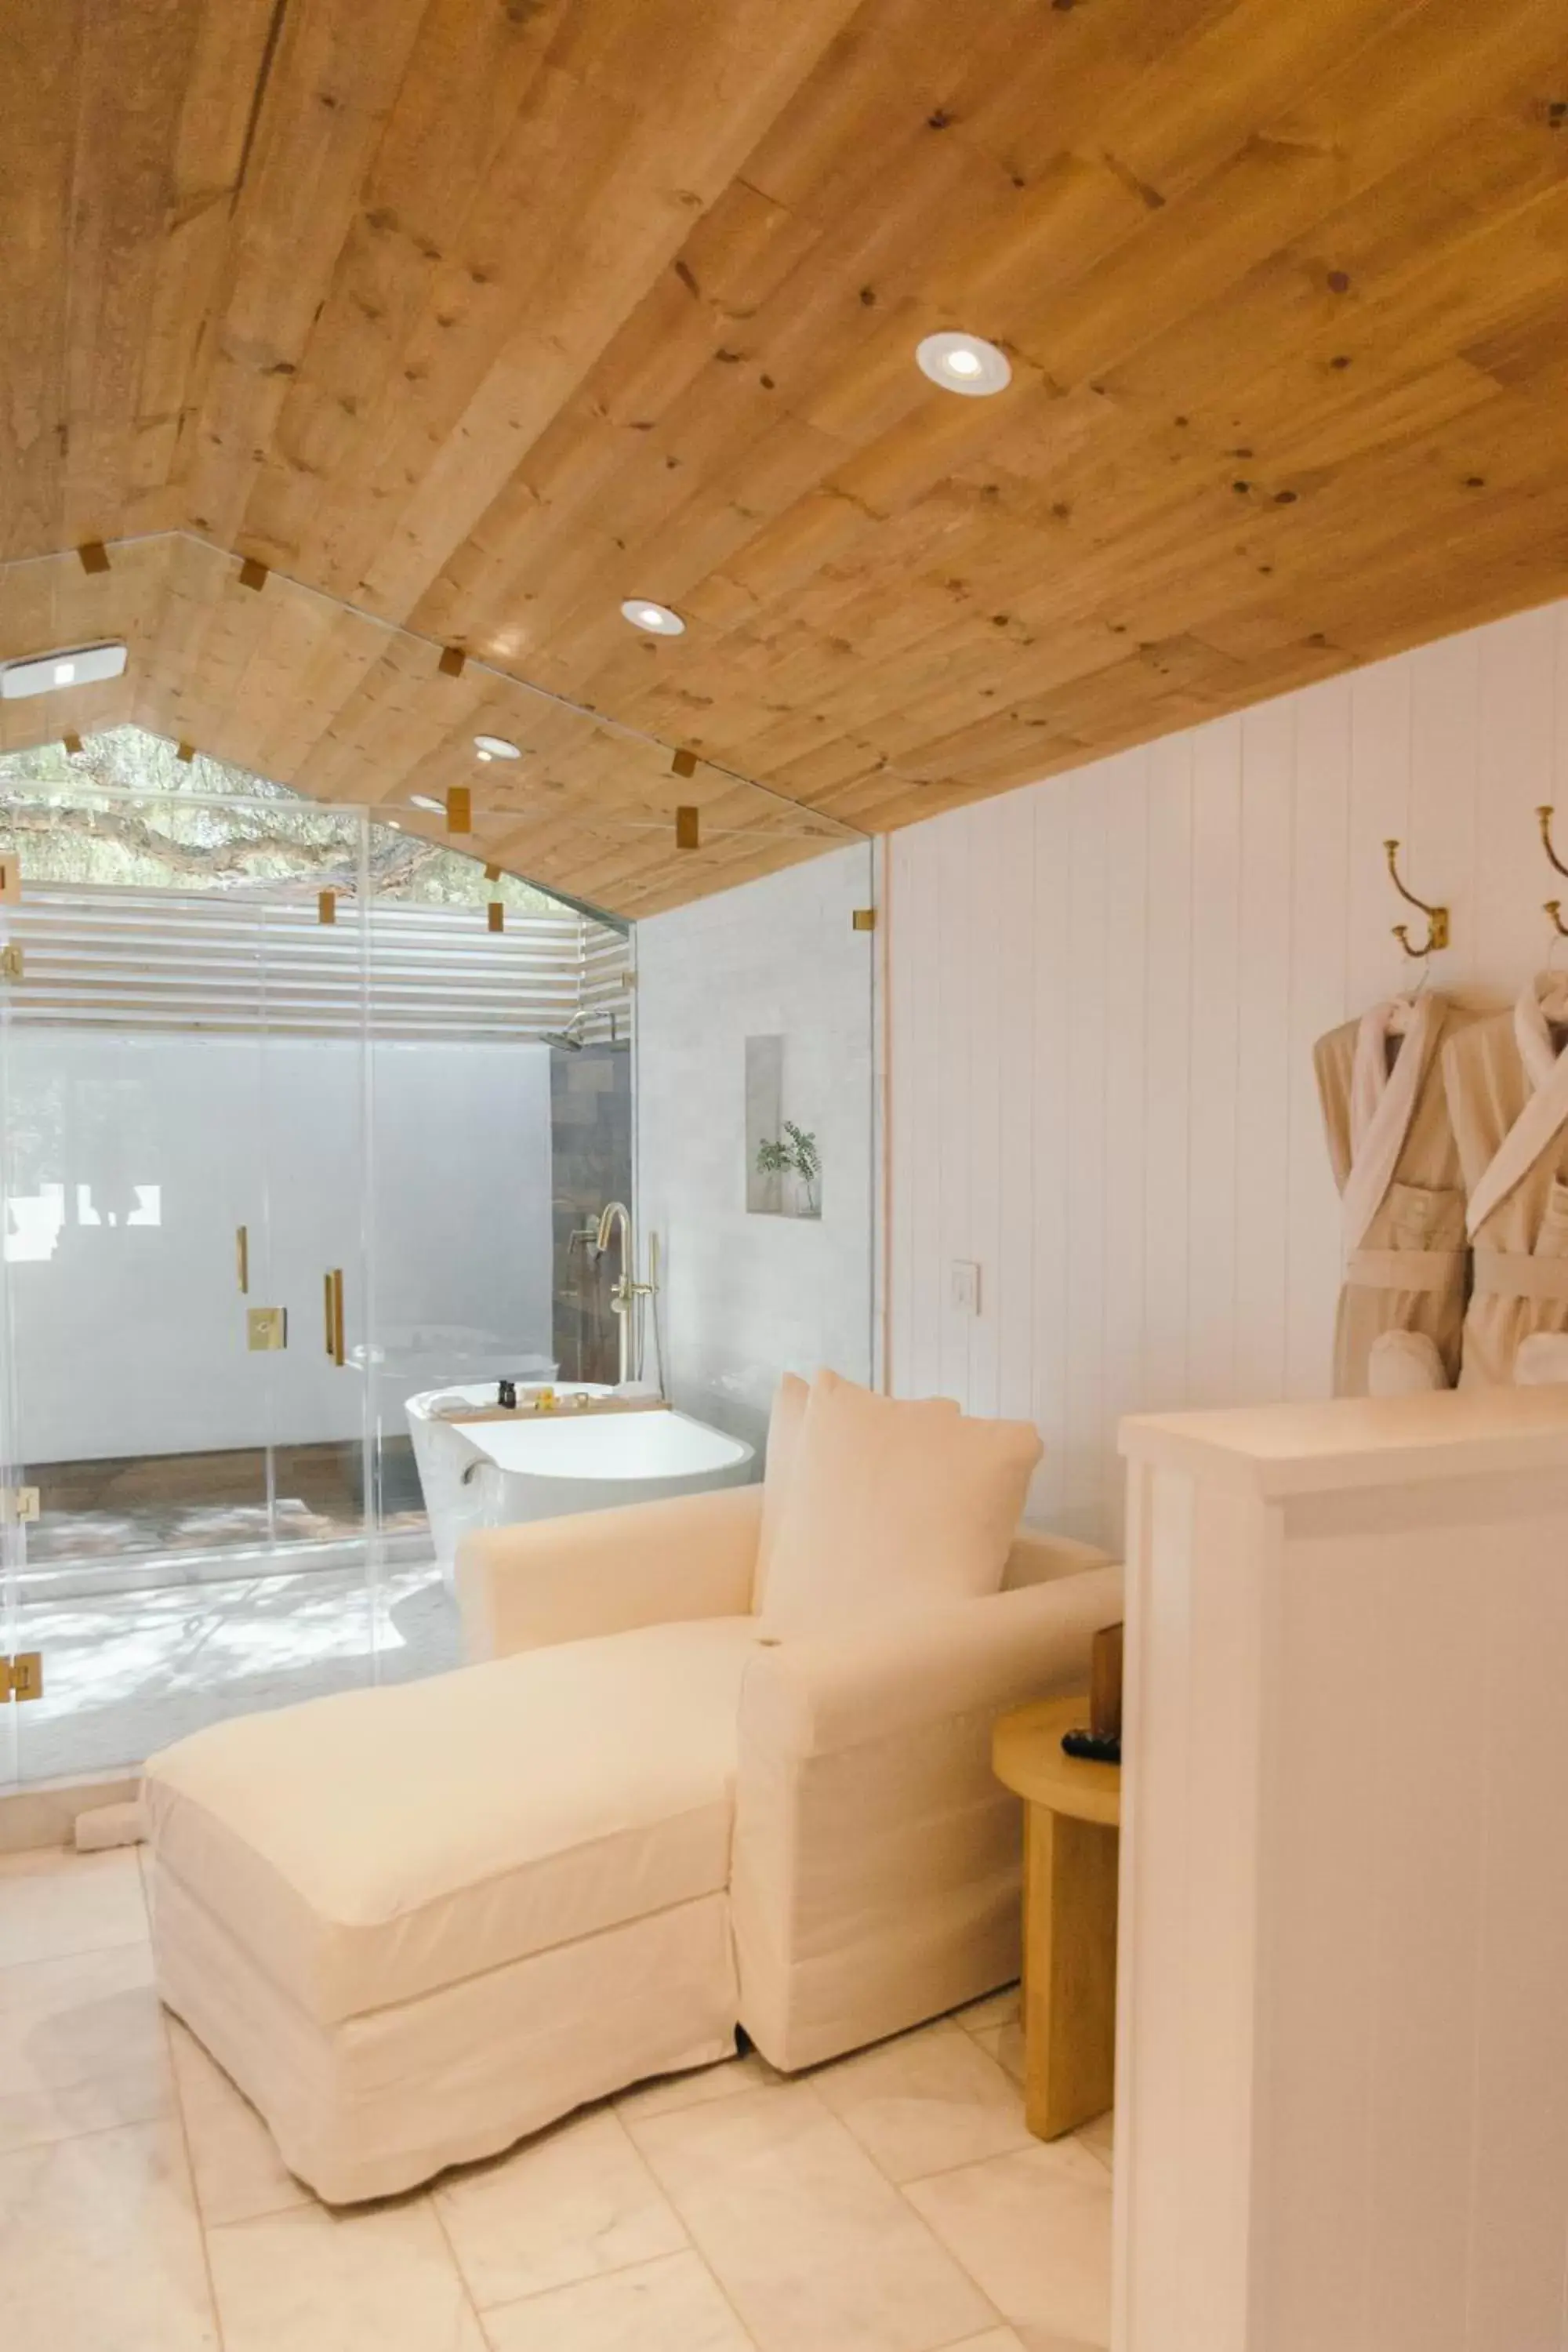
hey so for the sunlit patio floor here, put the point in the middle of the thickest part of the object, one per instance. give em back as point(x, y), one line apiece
point(125, 1672)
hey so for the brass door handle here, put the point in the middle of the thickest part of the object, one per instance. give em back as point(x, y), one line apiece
point(332, 1294)
point(242, 1254)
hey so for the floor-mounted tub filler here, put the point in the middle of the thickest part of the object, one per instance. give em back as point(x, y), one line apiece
point(485, 1473)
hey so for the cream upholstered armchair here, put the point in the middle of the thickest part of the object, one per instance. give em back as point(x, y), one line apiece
point(874, 1859)
point(715, 1762)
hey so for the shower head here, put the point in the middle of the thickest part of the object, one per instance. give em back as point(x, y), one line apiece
point(567, 1038)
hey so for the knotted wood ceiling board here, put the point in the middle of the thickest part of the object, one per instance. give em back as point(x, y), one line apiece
point(525, 306)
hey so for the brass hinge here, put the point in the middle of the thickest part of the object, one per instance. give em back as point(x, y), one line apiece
point(11, 961)
point(22, 1677)
point(18, 1502)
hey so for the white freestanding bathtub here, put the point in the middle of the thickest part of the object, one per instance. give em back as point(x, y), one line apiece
point(492, 1473)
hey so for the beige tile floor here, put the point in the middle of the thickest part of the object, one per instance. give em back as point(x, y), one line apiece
point(891, 2202)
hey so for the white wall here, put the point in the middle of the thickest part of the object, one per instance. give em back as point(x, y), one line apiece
point(464, 1245)
point(128, 1336)
point(1103, 995)
point(747, 1297)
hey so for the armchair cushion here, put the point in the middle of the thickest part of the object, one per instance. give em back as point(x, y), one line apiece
point(373, 1847)
point(548, 1580)
point(875, 1873)
point(854, 1687)
point(893, 1504)
point(784, 1425)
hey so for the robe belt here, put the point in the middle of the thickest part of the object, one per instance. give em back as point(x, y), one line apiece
point(1435, 1270)
point(1515, 1273)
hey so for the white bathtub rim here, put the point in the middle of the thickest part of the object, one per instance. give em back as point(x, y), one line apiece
point(507, 1472)
point(619, 1450)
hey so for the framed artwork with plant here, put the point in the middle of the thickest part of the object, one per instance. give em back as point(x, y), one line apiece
point(783, 1159)
point(795, 1155)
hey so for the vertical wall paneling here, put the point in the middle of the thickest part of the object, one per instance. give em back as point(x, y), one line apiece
point(1265, 947)
point(950, 1137)
point(1053, 965)
point(1320, 997)
point(1559, 655)
point(1216, 1004)
point(949, 1134)
point(916, 1081)
point(984, 1133)
point(1090, 917)
point(1104, 994)
point(907, 889)
point(1167, 1073)
point(1380, 723)
point(1009, 1294)
point(1518, 666)
point(1126, 1012)
point(1445, 812)
point(899, 1129)
point(1124, 998)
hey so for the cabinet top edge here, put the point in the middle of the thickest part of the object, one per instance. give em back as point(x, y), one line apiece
point(1274, 1451)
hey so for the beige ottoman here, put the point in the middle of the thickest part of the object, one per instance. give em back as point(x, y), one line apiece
point(416, 1923)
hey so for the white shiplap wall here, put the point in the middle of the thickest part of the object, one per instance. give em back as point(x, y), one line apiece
point(1103, 993)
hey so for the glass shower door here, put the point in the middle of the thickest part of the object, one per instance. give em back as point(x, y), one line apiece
point(13, 1506)
point(139, 1412)
point(316, 1621)
point(183, 1176)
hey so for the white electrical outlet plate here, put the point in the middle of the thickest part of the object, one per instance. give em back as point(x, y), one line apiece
point(964, 1284)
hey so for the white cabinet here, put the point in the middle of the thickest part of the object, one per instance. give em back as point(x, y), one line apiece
point(1342, 2067)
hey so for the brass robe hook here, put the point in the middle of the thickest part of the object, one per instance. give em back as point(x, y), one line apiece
point(1553, 906)
point(1436, 917)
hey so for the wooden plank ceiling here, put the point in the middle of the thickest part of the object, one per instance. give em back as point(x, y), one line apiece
point(471, 320)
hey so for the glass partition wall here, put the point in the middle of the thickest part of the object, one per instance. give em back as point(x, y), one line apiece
point(277, 1152)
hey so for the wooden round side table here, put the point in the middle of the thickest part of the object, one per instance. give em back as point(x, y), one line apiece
point(1073, 1810)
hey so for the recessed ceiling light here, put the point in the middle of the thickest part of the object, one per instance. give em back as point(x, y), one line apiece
point(42, 673)
point(964, 363)
point(424, 801)
point(496, 746)
point(657, 619)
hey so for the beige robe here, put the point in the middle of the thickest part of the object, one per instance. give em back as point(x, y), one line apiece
point(1395, 1162)
point(1507, 1094)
